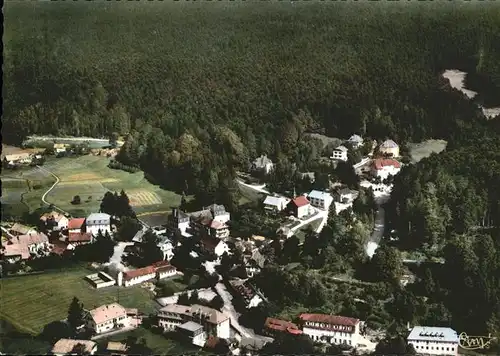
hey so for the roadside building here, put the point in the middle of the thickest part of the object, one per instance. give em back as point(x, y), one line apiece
point(429, 340)
point(75, 225)
point(299, 206)
point(346, 195)
point(319, 199)
point(54, 221)
point(331, 329)
point(107, 317)
point(275, 204)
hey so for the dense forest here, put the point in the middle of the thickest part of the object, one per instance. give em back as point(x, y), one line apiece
point(202, 86)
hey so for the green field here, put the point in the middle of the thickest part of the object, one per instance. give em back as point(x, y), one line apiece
point(31, 302)
point(90, 178)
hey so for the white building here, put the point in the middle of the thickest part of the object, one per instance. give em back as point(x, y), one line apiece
point(384, 168)
point(331, 329)
point(107, 317)
point(428, 340)
point(346, 195)
point(214, 322)
point(98, 221)
point(159, 270)
point(58, 220)
point(389, 148)
point(193, 332)
point(214, 245)
point(339, 153)
point(179, 220)
point(166, 247)
point(69, 347)
point(356, 141)
point(321, 200)
point(300, 206)
point(275, 204)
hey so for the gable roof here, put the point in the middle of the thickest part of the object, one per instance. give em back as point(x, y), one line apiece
point(128, 275)
point(66, 346)
point(196, 311)
point(380, 163)
point(107, 312)
point(389, 144)
point(329, 319)
point(275, 201)
point(16, 250)
point(300, 201)
point(316, 194)
point(20, 228)
point(282, 325)
point(340, 148)
point(79, 237)
point(97, 218)
point(428, 333)
point(76, 223)
point(30, 239)
point(52, 215)
point(210, 243)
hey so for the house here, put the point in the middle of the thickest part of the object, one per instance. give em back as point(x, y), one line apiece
point(331, 329)
point(74, 347)
point(214, 245)
point(273, 327)
point(355, 141)
point(385, 167)
point(430, 340)
point(211, 227)
point(60, 147)
point(75, 225)
point(34, 242)
point(20, 229)
point(275, 204)
point(389, 148)
point(179, 220)
point(299, 206)
point(166, 247)
point(346, 195)
point(24, 157)
point(214, 322)
point(263, 164)
point(192, 332)
point(321, 200)
point(15, 252)
point(158, 270)
point(339, 153)
point(107, 317)
point(249, 295)
point(79, 238)
point(98, 221)
point(116, 348)
point(55, 221)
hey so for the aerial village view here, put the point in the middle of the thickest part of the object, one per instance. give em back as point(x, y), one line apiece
point(250, 178)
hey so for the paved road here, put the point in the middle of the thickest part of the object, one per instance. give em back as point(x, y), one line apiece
point(116, 260)
point(258, 188)
point(50, 189)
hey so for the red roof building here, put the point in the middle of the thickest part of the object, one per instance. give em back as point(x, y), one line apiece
point(380, 163)
point(76, 224)
point(299, 207)
point(329, 322)
point(300, 201)
point(149, 270)
point(79, 237)
point(274, 326)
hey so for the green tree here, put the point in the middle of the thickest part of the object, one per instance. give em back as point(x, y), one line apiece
point(75, 314)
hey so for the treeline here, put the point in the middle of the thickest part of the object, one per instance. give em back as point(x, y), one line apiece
point(203, 87)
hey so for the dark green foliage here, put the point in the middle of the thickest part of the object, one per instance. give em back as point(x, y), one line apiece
point(127, 228)
point(288, 344)
point(117, 205)
point(75, 314)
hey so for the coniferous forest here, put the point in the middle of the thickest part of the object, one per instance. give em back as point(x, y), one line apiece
point(201, 88)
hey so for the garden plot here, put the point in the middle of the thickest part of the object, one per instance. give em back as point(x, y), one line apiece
point(142, 197)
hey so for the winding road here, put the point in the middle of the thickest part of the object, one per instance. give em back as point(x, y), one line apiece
point(50, 189)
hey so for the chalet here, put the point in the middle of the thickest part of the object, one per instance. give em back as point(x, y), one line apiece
point(214, 245)
point(273, 327)
point(214, 323)
point(346, 195)
point(263, 164)
point(98, 221)
point(20, 229)
point(55, 221)
point(339, 153)
point(384, 168)
point(74, 347)
point(76, 225)
point(107, 318)
point(389, 148)
point(249, 295)
point(319, 199)
point(299, 206)
point(275, 204)
point(355, 141)
point(331, 329)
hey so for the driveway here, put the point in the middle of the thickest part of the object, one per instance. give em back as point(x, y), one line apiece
point(257, 188)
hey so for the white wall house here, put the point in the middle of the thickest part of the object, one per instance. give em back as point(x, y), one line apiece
point(275, 204)
point(384, 168)
point(214, 322)
point(390, 148)
point(219, 213)
point(331, 329)
point(300, 206)
point(339, 153)
point(107, 317)
point(429, 340)
point(319, 199)
point(98, 221)
point(346, 195)
point(166, 272)
point(221, 248)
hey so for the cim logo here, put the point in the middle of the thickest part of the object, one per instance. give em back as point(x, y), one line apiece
point(475, 342)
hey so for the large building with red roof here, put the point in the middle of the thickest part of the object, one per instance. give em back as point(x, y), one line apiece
point(385, 167)
point(158, 270)
point(331, 329)
point(299, 206)
point(273, 327)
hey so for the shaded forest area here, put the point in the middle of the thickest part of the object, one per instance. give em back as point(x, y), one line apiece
point(202, 86)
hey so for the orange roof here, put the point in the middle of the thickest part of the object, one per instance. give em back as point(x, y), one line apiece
point(76, 223)
point(380, 163)
point(282, 325)
point(79, 237)
point(329, 319)
point(16, 250)
point(300, 201)
point(107, 312)
point(138, 272)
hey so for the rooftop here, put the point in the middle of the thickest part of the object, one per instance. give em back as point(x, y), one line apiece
point(433, 333)
point(107, 312)
point(191, 326)
point(300, 201)
point(98, 217)
point(275, 201)
point(341, 148)
point(52, 215)
point(66, 346)
point(117, 346)
point(282, 325)
point(79, 237)
point(355, 138)
point(20, 228)
point(389, 144)
point(316, 194)
point(30, 239)
point(16, 250)
point(196, 311)
point(76, 223)
point(329, 319)
point(128, 275)
point(380, 163)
